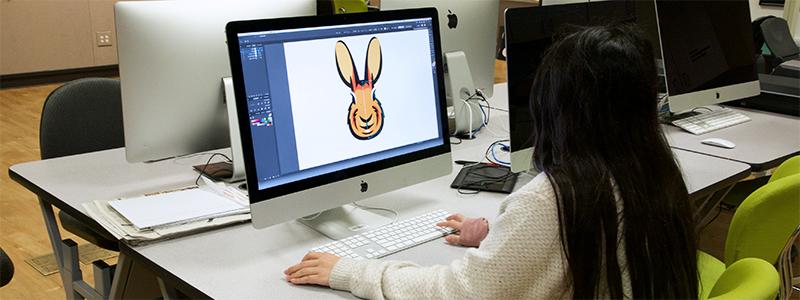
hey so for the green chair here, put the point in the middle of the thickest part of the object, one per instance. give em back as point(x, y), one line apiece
point(764, 226)
point(749, 278)
point(789, 167)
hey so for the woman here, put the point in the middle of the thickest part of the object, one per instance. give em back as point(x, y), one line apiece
point(608, 216)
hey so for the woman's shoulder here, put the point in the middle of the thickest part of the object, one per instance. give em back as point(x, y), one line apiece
point(538, 194)
point(539, 186)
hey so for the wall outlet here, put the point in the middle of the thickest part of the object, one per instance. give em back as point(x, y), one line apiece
point(103, 38)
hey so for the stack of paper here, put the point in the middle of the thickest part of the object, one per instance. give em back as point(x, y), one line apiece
point(148, 212)
point(165, 215)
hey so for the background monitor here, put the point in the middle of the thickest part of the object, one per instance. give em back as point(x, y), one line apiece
point(335, 109)
point(529, 33)
point(468, 26)
point(172, 58)
point(708, 52)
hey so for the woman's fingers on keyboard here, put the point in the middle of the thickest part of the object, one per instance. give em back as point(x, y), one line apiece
point(455, 217)
point(454, 239)
point(450, 223)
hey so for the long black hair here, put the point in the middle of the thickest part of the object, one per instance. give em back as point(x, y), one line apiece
point(596, 135)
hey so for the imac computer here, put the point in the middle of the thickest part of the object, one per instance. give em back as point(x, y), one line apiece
point(529, 33)
point(335, 109)
point(469, 39)
point(708, 52)
point(172, 59)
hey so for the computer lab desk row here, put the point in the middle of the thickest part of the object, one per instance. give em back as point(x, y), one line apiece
point(242, 262)
point(764, 142)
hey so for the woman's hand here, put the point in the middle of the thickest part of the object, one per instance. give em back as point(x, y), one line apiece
point(471, 231)
point(315, 268)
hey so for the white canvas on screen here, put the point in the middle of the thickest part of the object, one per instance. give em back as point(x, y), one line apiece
point(320, 100)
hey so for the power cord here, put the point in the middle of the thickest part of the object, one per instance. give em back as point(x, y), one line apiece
point(392, 211)
point(492, 151)
point(307, 218)
point(203, 171)
point(364, 207)
point(477, 95)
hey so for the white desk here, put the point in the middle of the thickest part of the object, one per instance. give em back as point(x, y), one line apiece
point(763, 143)
point(241, 262)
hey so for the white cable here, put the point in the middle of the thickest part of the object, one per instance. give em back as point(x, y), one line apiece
point(469, 126)
point(394, 212)
point(178, 159)
point(486, 125)
point(307, 218)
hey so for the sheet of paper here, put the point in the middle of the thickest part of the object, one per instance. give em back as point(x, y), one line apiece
point(169, 208)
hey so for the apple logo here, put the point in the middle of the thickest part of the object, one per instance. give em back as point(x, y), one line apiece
point(452, 20)
point(364, 186)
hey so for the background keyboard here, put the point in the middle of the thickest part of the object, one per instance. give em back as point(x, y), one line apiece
point(710, 121)
point(390, 238)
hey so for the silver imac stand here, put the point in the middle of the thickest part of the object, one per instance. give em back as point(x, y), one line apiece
point(468, 116)
point(344, 221)
point(237, 172)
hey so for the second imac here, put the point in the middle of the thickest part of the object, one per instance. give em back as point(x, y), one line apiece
point(708, 59)
point(469, 38)
point(172, 61)
point(335, 109)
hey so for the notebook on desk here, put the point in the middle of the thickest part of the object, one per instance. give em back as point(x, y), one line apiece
point(178, 207)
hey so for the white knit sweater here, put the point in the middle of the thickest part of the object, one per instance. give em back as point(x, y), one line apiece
point(521, 258)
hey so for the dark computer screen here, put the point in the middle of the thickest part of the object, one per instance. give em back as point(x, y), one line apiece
point(706, 44)
point(531, 31)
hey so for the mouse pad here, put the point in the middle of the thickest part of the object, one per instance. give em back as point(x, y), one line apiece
point(485, 177)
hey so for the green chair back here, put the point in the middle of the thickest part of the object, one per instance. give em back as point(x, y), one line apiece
point(787, 168)
point(765, 221)
point(749, 278)
point(710, 270)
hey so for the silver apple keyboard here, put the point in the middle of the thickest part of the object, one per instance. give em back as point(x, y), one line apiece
point(710, 121)
point(390, 238)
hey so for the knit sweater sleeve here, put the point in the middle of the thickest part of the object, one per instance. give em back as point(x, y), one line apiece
point(520, 258)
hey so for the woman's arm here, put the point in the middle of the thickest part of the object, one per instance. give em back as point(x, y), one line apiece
point(521, 257)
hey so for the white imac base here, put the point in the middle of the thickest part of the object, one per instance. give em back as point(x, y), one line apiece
point(344, 221)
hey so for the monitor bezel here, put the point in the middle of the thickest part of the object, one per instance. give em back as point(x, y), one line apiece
point(233, 29)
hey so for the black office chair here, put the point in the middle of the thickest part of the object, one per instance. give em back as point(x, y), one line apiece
point(779, 39)
point(774, 33)
point(6, 268)
point(81, 116)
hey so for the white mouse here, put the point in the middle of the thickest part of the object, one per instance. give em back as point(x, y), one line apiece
point(718, 142)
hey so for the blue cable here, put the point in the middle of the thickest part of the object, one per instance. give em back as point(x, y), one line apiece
point(483, 121)
point(495, 155)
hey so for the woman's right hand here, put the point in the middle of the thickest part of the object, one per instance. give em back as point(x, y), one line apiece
point(469, 231)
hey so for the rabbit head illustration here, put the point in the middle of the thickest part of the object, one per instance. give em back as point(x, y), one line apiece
point(365, 114)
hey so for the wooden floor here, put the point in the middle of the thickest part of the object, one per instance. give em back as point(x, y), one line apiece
point(22, 231)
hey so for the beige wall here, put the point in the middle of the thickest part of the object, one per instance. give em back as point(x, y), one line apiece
point(46, 35)
point(757, 11)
